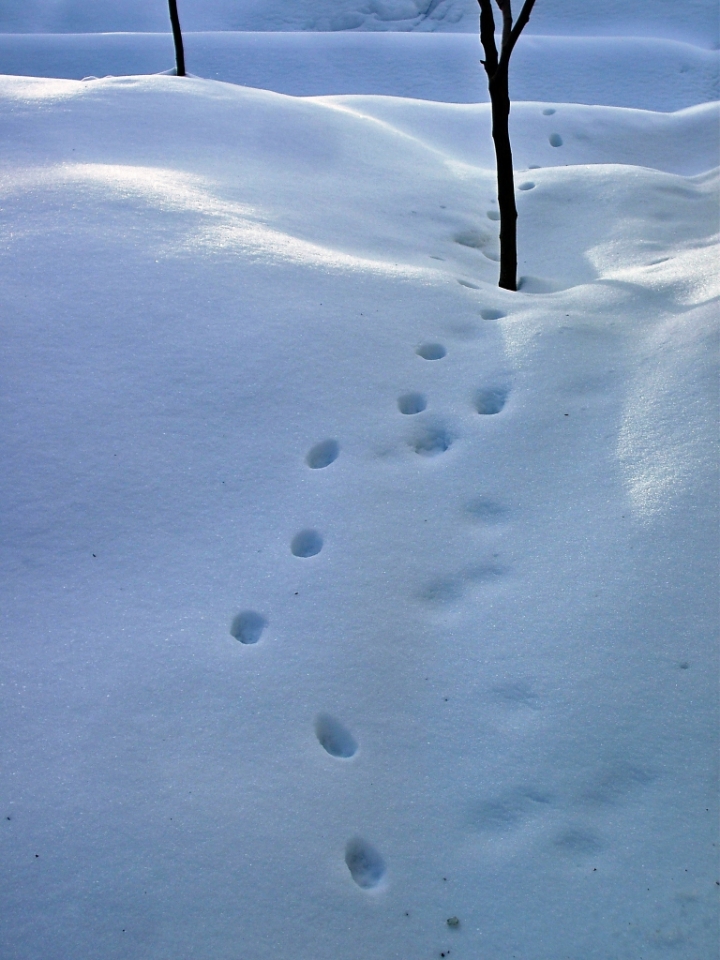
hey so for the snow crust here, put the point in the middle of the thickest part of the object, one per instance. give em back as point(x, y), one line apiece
point(353, 607)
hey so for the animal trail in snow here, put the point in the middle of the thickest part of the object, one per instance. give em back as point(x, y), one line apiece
point(323, 454)
point(411, 403)
point(334, 738)
point(248, 626)
point(431, 351)
point(366, 866)
point(306, 543)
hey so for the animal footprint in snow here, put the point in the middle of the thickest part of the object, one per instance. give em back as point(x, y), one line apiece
point(248, 626)
point(334, 738)
point(516, 694)
point(491, 400)
point(432, 441)
point(307, 543)
point(486, 511)
point(449, 589)
point(431, 351)
point(410, 403)
point(616, 782)
point(510, 810)
point(442, 590)
point(323, 454)
point(366, 866)
point(555, 140)
point(472, 239)
point(578, 841)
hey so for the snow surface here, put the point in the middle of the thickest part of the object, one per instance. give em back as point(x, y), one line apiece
point(657, 74)
point(344, 594)
point(695, 21)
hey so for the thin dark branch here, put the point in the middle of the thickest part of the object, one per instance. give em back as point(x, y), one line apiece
point(177, 38)
point(519, 27)
point(506, 9)
point(487, 37)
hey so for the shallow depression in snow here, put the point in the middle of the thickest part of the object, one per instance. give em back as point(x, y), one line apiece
point(431, 351)
point(432, 441)
point(323, 454)
point(248, 626)
point(335, 738)
point(411, 403)
point(366, 865)
point(306, 543)
point(491, 400)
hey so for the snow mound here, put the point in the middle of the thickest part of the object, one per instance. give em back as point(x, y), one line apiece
point(352, 606)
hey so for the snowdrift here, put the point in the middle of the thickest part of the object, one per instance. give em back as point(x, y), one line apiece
point(349, 596)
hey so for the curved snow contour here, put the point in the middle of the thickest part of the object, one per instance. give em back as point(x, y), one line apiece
point(224, 225)
point(665, 436)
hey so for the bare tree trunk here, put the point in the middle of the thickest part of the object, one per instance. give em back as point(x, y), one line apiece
point(497, 73)
point(500, 100)
point(177, 38)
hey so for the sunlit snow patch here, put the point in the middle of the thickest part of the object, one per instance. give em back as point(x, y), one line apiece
point(227, 226)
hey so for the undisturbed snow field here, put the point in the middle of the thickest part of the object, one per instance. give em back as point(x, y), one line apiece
point(345, 594)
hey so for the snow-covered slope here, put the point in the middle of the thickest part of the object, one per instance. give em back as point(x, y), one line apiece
point(344, 594)
point(351, 606)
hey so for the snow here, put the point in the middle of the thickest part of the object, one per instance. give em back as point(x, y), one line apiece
point(345, 594)
point(659, 75)
point(694, 21)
